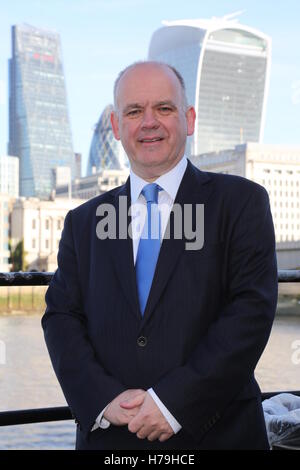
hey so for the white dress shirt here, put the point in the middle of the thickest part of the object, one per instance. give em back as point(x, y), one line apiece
point(169, 182)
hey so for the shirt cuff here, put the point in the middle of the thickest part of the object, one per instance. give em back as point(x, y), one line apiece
point(101, 422)
point(169, 417)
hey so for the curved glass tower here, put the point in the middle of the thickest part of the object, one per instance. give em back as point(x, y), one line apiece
point(39, 127)
point(226, 68)
point(106, 153)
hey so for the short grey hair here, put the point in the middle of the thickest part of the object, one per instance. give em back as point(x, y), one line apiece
point(141, 62)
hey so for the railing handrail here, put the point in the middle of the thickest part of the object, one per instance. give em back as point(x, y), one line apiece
point(30, 278)
point(35, 415)
point(39, 415)
point(25, 278)
point(63, 413)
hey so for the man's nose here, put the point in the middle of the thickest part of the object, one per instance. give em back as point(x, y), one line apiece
point(150, 119)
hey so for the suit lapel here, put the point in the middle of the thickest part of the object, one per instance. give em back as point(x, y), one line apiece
point(121, 249)
point(194, 189)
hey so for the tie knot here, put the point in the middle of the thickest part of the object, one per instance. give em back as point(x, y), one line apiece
point(150, 191)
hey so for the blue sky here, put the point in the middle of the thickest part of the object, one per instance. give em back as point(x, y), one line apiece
point(100, 37)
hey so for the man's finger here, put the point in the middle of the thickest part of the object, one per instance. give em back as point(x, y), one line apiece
point(135, 425)
point(164, 436)
point(153, 436)
point(133, 402)
point(142, 433)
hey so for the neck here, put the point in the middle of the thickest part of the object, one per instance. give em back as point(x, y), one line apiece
point(154, 173)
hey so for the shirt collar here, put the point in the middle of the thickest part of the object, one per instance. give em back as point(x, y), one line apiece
point(169, 181)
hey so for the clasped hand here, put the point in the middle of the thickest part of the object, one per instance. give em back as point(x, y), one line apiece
point(137, 409)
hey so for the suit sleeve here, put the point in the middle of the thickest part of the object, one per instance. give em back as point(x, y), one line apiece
point(224, 360)
point(86, 385)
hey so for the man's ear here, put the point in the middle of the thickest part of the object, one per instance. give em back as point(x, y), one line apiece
point(190, 119)
point(115, 125)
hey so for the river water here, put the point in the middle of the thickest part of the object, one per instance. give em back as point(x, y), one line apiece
point(28, 381)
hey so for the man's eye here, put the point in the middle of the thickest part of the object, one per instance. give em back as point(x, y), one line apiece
point(165, 109)
point(133, 112)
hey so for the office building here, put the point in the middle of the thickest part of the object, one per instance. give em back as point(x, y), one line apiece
point(106, 153)
point(226, 68)
point(78, 159)
point(93, 185)
point(277, 168)
point(39, 128)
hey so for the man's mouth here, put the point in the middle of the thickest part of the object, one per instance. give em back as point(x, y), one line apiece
point(154, 139)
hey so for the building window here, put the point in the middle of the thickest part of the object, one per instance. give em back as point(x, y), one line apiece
point(47, 224)
point(33, 242)
point(33, 224)
point(59, 224)
point(47, 244)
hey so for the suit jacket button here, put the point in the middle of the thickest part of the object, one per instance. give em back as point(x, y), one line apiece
point(142, 341)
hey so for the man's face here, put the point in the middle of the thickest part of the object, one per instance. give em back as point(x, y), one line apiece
point(151, 120)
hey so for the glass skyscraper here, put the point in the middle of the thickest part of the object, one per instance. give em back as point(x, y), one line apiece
point(226, 68)
point(39, 128)
point(106, 153)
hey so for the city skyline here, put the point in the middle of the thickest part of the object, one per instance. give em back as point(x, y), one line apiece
point(39, 129)
point(225, 66)
point(105, 152)
point(97, 44)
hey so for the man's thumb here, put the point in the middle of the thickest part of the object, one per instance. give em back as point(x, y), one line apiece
point(133, 402)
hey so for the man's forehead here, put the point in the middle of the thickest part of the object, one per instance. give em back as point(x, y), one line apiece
point(139, 74)
point(141, 85)
point(148, 68)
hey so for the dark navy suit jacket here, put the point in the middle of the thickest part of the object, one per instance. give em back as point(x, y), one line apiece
point(206, 323)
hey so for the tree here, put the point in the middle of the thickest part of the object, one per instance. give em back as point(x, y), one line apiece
point(18, 256)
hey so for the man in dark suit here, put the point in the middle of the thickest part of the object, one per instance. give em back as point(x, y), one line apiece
point(160, 354)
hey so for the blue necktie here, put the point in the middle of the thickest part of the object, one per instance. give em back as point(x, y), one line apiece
point(149, 245)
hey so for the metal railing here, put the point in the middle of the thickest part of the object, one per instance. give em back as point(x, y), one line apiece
point(61, 413)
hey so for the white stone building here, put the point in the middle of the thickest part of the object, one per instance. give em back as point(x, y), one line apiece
point(93, 185)
point(9, 190)
point(277, 168)
point(5, 207)
point(39, 223)
point(9, 175)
